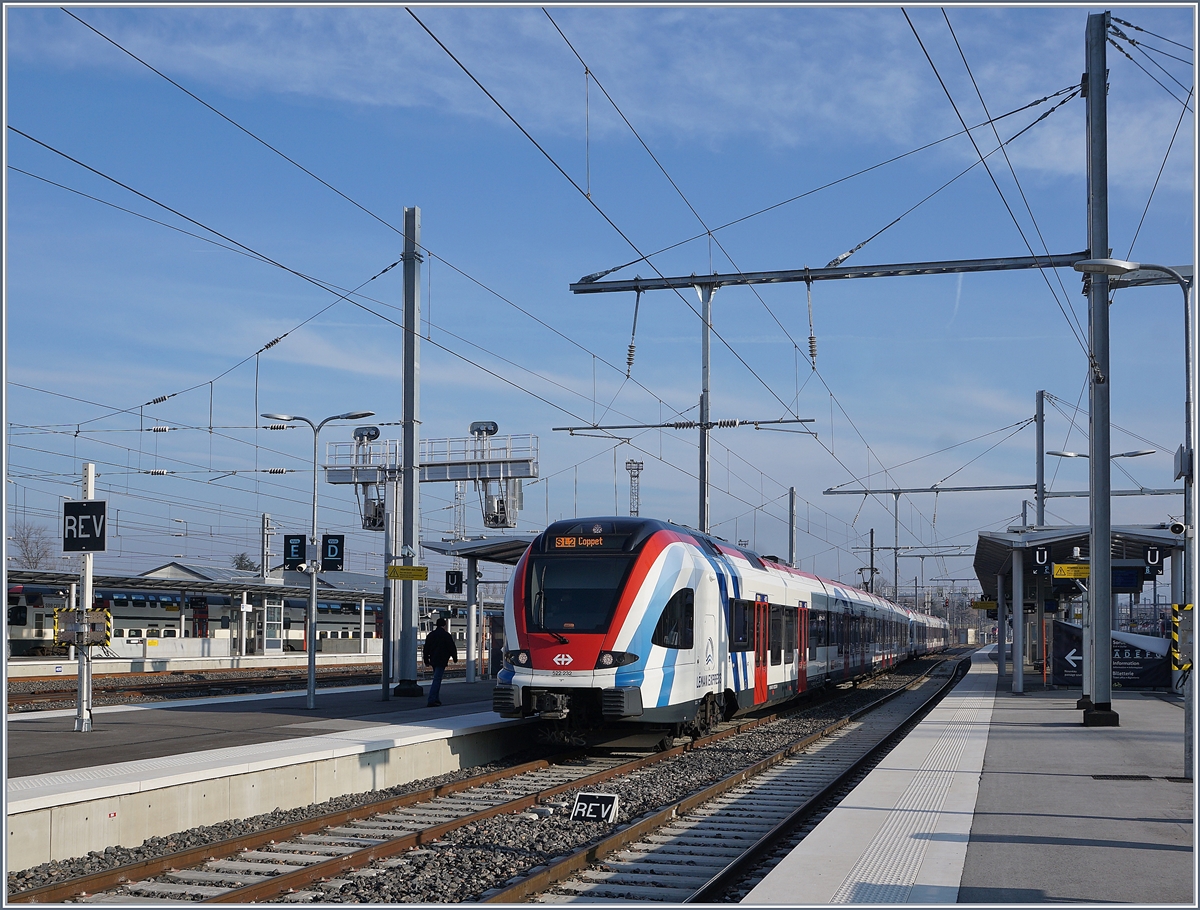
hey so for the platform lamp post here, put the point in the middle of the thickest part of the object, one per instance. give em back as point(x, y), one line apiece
point(314, 543)
point(1185, 458)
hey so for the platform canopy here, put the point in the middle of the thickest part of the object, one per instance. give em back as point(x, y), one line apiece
point(993, 552)
point(506, 550)
point(230, 588)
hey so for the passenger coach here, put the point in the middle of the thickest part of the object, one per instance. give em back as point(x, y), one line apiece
point(636, 620)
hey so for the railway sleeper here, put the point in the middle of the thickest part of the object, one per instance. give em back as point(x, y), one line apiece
point(644, 878)
point(629, 892)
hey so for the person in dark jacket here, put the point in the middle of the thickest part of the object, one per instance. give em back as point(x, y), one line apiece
point(439, 650)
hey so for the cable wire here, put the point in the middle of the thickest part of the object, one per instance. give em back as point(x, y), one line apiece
point(1083, 346)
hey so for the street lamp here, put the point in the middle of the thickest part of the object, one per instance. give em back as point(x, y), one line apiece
point(313, 562)
point(1185, 459)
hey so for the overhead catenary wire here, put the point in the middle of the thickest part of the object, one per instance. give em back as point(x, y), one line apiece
point(1157, 178)
point(1071, 93)
point(1082, 344)
point(1012, 170)
point(429, 253)
point(824, 186)
point(356, 203)
point(1129, 57)
point(367, 309)
point(682, 195)
point(593, 203)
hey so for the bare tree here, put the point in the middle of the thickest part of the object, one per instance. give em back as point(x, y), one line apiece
point(33, 543)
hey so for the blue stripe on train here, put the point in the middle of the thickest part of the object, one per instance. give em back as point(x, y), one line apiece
point(634, 674)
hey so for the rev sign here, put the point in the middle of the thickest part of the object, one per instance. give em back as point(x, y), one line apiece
point(595, 807)
point(83, 526)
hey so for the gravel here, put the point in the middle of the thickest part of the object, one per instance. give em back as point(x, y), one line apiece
point(110, 857)
point(485, 855)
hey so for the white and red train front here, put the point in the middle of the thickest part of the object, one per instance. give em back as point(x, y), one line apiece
point(632, 619)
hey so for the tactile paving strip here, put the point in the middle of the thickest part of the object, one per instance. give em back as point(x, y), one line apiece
point(887, 869)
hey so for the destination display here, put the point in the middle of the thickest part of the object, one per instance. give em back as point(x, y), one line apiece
point(579, 542)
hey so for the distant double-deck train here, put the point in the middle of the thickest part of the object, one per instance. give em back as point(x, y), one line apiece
point(154, 614)
point(635, 620)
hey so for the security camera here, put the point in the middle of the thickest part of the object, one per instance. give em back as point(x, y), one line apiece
point(303, 567)
point(1177, 527)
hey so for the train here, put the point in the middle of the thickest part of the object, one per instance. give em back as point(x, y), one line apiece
point(626, 620)
point(152, 613)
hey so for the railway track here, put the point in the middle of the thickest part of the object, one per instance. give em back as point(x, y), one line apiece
point(694, 850)
point(310, 860)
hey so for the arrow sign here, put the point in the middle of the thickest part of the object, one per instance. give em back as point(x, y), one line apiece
point(1073, 657)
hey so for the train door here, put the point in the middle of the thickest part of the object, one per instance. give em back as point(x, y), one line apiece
point(802, 647)
point(762, 631)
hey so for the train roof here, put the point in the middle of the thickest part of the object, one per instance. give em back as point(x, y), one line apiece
point(636, 530)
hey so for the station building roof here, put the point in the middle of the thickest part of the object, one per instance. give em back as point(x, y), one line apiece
point(993, 552)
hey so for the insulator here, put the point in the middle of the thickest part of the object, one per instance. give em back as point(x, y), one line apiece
point(277, 426)
point(629, 358)
point(160, 429)
point(684, 425)
point(272, 342)
point(276, 470)
point(160, 399)
point(812, 348)
point(726, 424)
point(158, 472)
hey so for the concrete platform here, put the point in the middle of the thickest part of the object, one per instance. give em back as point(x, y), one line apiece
point(36, 667)
point(155, 769)
point(994, 799)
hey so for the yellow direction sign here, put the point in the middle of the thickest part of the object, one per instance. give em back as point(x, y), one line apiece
point(408, 573)
point(1072, 570)
point(983, 604)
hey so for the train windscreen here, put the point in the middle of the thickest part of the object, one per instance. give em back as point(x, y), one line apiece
point(573, 593)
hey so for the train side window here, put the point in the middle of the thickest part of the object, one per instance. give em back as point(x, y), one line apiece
point(118, 633)
point(135, 633)
point(675, 626)
point(741, 625)
point(18, 616)
point(789, 635)
point(775, 636)
point(168, 633)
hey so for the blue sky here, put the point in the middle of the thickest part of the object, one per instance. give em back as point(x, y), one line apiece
point(744, 108)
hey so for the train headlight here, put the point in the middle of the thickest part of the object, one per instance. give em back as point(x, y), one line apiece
point(609, 659)
point(518, 658)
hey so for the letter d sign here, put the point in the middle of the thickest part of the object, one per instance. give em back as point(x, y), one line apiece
point(333, 550)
